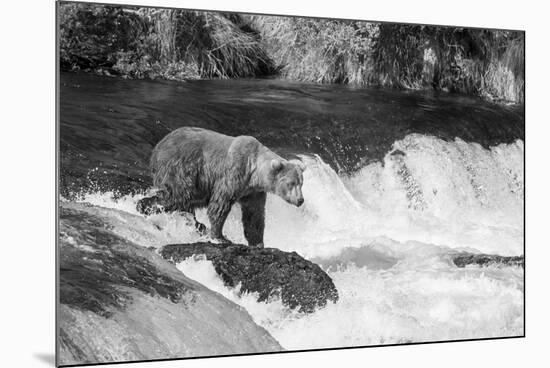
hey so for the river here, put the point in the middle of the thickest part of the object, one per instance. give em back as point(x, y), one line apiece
point(395, 182)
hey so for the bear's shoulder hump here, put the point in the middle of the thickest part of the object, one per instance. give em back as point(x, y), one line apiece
point(247, 140)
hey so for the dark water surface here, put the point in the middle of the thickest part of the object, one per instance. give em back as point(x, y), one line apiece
point(109, 126)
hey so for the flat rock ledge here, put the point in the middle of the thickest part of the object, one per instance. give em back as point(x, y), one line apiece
point(272, 273)
point(121, 302)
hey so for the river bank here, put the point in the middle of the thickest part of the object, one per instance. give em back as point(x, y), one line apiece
point(174, 44)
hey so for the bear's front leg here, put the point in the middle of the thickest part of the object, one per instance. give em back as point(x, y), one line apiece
point(201, 228)
point(253, 216)
point(217, 214)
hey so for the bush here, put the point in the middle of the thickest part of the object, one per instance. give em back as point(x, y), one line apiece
point(91, 35)
point(159, 43)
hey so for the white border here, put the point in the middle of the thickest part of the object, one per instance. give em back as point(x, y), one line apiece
point(28, 183)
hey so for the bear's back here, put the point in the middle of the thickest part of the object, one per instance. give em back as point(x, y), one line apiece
point(189, 142)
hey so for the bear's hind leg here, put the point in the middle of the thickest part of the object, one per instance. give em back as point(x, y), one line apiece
point(149, 206)
point(161, 201)
point(188, 210)
point(253, 217)
point(155, 204)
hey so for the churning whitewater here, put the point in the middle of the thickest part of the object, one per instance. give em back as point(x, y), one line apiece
point(384, 234)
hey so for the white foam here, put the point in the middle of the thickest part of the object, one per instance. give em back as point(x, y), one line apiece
point(149, 231)
point(466, 196)
point(106, 199)
point(392, 306)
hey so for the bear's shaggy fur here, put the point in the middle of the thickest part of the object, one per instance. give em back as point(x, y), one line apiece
point(195, 168)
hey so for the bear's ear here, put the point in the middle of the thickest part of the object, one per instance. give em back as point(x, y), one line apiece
point(276, 165)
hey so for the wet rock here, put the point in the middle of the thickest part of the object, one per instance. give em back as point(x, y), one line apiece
point(121, 302)
point(464, 259)
point(302, 285)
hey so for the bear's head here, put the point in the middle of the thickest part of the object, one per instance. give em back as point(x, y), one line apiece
point(287, 180)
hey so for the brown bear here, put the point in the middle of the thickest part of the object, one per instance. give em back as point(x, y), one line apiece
point(194, 168)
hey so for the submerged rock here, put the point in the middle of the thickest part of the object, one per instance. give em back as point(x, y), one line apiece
point(301, 284)
point(121, 302)
point(464, 259)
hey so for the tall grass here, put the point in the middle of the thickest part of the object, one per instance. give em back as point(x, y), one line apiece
point(506, 75)
point(398, 57)
point(322, 51)
point(220, 47)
